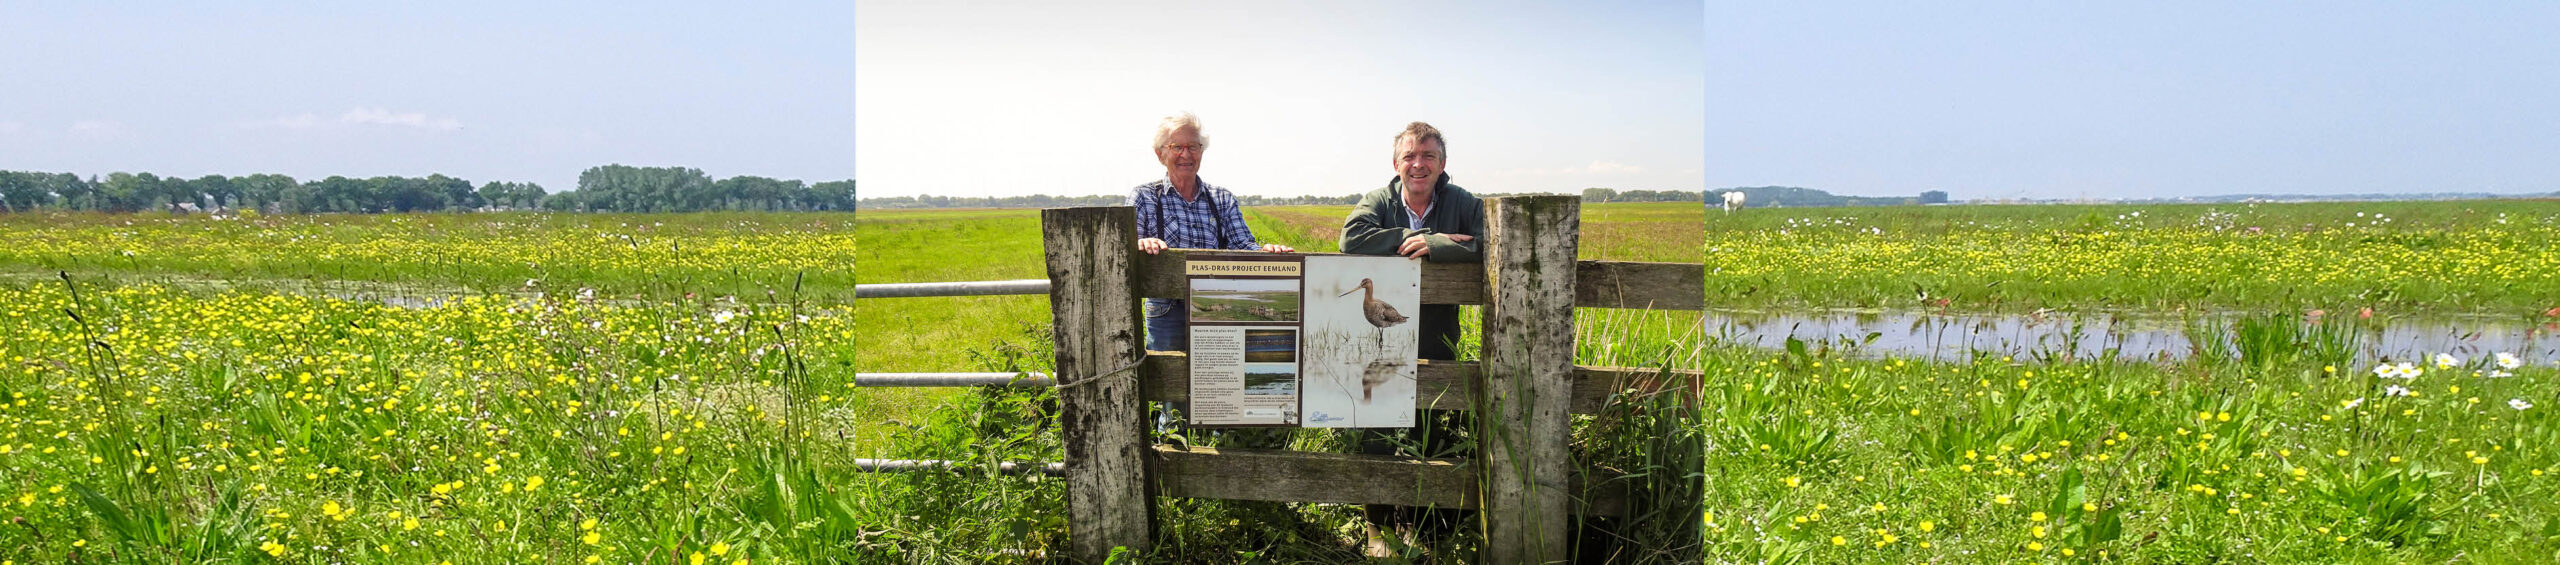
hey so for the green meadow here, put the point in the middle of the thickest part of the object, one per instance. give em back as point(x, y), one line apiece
point(530, 388)
point(2467, 256)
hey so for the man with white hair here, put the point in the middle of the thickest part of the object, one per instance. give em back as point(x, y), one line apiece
point(1182, 211)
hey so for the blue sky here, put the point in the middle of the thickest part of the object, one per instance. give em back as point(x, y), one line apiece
point(479, 90)
point(1017, 98)
point(2134, 99)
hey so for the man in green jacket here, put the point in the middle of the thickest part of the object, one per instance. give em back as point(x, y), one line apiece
point(1419, 214)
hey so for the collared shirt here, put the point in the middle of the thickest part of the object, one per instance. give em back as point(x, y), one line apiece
point(1210, 220)
point(1413, 220)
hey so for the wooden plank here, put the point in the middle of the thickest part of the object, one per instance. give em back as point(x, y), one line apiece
point(1626, 284)
point(1445, 385)
point(1334, 478)
point(1598, 284)
point(1161, 276)
point(1095, 329)
point(1526, 380)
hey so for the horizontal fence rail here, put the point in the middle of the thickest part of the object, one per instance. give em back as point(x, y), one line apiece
point(1336, 478)
point(1004, 468)
point(969, 288)
point(1026, 380)
point(1597, 284)
point(1442, 385)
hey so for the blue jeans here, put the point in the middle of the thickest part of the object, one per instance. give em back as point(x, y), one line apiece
point(1168, 325)
point(1168, 329)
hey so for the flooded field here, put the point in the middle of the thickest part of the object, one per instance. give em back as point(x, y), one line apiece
point(2084, 336)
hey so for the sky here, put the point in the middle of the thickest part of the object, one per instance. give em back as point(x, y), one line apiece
point(1992, 100)
point(485, 91)
point(1297, 98)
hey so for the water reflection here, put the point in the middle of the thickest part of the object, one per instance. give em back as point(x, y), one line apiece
point(2069, 336)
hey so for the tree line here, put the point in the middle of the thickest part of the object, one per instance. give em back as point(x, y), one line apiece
point(614, 188)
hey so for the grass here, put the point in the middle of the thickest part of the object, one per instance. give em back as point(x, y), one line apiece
point(146, 423)
point(754, 256)
point(1644, 231)
point(230, 393)
point(2396, 257)
point(1821, 459)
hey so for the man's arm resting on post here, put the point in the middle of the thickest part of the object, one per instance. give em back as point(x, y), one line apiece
point(1452, 249)
point(1365, 233)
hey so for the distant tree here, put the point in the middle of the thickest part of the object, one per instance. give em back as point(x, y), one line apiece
point(510, 195)
point(260, 190)
point(23, 191)
point(833, 195)
point(1933, 197)
point(220, 190)
point(121, 191)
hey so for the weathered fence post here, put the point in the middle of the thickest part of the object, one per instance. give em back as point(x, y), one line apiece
point(1094, 312)
point(1527, 377)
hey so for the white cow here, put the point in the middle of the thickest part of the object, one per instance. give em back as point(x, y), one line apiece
point(1733, 200)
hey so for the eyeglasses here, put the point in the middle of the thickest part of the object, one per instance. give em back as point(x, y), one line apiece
point(1189, 147)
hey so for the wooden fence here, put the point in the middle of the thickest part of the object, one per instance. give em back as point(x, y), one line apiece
point(1523, 390)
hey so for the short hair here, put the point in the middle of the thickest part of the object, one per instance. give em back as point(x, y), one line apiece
point(1165, 127)
point(1421, 132)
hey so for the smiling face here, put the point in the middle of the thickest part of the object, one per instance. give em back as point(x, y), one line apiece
point(1419, 162)
point(1181, 153)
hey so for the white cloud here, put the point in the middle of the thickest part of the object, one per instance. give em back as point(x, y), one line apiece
point(304, 120)
point(378, 116)
point(359, 117)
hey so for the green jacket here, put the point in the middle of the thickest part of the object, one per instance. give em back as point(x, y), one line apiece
point(1377, 226)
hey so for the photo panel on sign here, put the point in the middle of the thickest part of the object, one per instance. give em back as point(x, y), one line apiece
point(1358, 345)
point(1244, 300)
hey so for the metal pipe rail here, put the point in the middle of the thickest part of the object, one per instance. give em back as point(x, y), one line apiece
point(910, 465)
point(1024, 380)
point(968, 288)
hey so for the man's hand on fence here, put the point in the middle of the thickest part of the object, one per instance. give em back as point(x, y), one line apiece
point(1277, 248)
point(1415, 247)
point(1150, 245)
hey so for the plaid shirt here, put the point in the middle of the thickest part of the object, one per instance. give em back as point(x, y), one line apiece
point(1210, 221)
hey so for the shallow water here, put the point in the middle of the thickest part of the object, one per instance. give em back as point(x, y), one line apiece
point(2131, 337)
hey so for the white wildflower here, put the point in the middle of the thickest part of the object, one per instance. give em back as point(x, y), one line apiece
point(2395, 390)
point(2509, 361)
point(2518, 403)
point(2444, 361)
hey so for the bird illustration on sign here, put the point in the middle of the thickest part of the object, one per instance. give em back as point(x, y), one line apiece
point(1377, 312)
